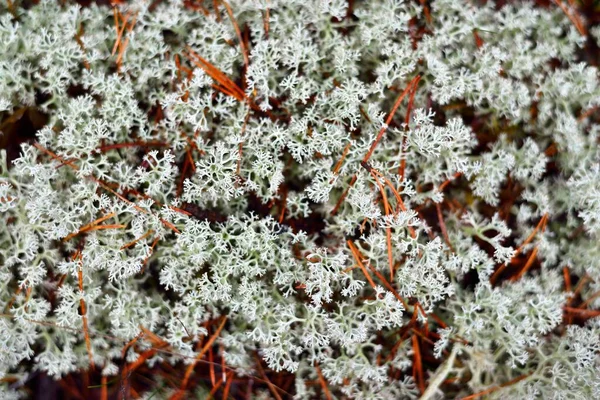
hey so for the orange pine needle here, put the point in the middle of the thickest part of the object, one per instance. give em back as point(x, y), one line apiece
point(573, 17)
point(417, 365)
point(438, 208)
point(340, 162)
point(495, 388)
point(376, 141)
point(238, 33)
point(132, 243)
point(583, 312)
point(123, 45)
point(406, 121)
point(390, 117)
point(264, 376)
point(323, 382)
point(102, 227)
point(226, 391)
point(89, 226)
point(120, 31)
point(388, 286)
point(215, 74)
point(357, 256)
point(82, 305)
point(103, 388)
point(388, 230)
point(266, 21)
point(529, 263)
point(190, 369)
point(541, 225)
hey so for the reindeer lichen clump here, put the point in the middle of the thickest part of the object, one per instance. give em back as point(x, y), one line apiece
point(300, 199)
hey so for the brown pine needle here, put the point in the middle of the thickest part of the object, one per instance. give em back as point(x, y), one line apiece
point(340, 162)
point(417, 364)
point(572, 16)
point(82, 305)
point(529, 263)
point(388, 286)
point(215, 74)
point(102, 227)
point(541, 225)
point(238, 33)
point(132, 243)
point(131, 144)
point(323, 382)
point(578, 288)
point(344, 194)
point(357, 257)
point(406, 121)
point(145, 262)
point(266, 21)
point(583, 312)
point(390, 117)
point(388, 230)
point(495, 388)
point(376, 141)
point(217, 386)
point(104, 388)
point(120, 31)
point(211, 360)
point(190, 369)
point(587, 113)
point(264, 376)
point(283, 205)
point(103, 185)
point(567, 276)
point(56, 156)
point(130, 343)
point(89, 226)
point(226, 391)
point(400, 205)
point(216, 7)
point(123, 45)
point(448, 181)
point(590, 299)
point(438, 208)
